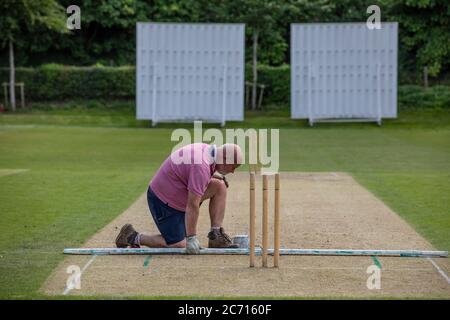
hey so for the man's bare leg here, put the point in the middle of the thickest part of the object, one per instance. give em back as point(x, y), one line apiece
point(216, 192)
point(157, 241)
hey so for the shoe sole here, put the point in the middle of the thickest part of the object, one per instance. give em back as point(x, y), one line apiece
point(231, 246)
point(121, 239)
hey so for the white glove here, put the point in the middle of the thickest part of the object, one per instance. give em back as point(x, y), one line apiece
point(192, 245)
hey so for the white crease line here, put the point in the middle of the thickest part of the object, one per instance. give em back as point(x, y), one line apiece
point(442, 272)
point(67, 290)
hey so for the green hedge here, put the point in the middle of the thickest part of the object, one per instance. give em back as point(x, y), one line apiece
point(415, 97)
point(277, 80)
point(58, 83)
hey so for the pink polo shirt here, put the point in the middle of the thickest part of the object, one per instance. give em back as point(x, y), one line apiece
point(189, 168)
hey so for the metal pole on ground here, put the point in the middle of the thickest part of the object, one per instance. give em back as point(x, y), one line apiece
point(245, 251)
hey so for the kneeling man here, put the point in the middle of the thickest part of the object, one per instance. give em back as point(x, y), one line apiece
point(186, 178)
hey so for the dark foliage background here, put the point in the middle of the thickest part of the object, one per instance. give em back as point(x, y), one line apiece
point(107, 34)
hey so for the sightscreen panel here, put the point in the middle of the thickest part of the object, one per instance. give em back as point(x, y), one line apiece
point(190, 72)
point(343, 71)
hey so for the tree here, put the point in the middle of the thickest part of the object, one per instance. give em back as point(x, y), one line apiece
point(424, 33)
point(261, 17)
point(107, 35)
point(108, 28)
point(20, 15)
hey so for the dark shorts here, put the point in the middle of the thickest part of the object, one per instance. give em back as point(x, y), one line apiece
point(170, 222)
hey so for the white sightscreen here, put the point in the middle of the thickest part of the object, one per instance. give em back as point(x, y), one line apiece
point(190, 72)
point(343, 71)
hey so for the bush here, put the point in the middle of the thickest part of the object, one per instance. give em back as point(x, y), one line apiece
point(277, 80)
point(51, 82)
point(55, 82)
point(414, 97)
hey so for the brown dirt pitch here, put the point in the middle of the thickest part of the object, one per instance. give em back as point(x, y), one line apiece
point(318, 210)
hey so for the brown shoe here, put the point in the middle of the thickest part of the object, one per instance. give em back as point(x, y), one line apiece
point(219, 239)
point(126, 236)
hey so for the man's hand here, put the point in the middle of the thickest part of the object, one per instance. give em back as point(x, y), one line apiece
point(192, 245)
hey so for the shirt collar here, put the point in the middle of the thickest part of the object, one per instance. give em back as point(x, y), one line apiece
point(213, 152)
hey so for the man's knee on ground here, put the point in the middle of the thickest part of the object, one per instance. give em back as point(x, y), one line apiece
point(181, 244)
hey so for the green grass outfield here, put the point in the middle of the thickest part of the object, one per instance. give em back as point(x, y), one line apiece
point(82, 168)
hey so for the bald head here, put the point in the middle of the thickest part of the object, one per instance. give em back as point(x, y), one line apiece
point(229, 153)
point(228, 158)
